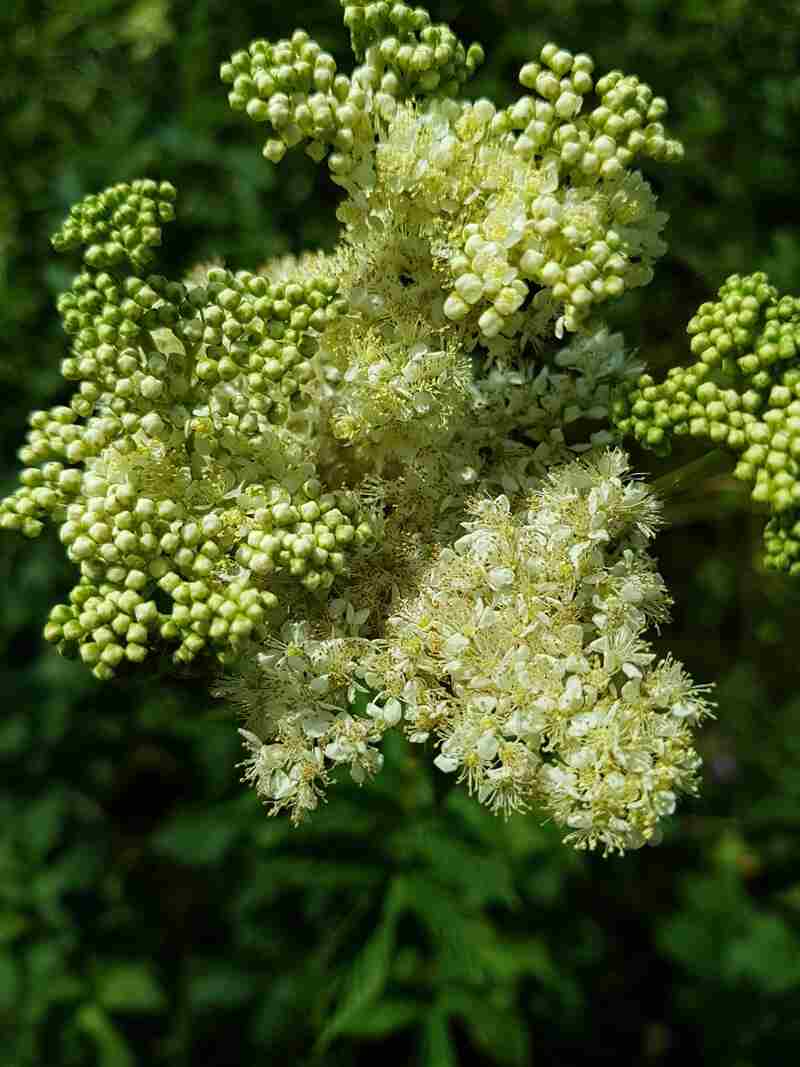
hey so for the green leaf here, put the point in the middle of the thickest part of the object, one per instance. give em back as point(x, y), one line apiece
point(458, 936)
point(437, 1047)
point(9, 983)
point(52, 881)
point(197, 838)
point(500, 1031)
point(219, 985)
point(368, 974)
point(768, 956)
point(299, 871)
point(384, 1018)
point(11, 926)
point(112, 1048)
point(479, 878)
point(43, 820)
point(129, 987)
point(364, 982)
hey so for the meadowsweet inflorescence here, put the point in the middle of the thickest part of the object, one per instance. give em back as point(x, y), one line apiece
point(276, 468)
point(523, 654)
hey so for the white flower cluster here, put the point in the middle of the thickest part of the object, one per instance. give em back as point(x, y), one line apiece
point(272, 469)
point(298, 693)
point(524, 655)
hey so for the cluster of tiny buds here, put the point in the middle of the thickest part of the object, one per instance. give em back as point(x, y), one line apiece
point(405, 55)
point(124, 222)
point(262, 333)
point(625, 124)
point(486, 269)
point(293, 85)
point(782, 544)
point(107, 317)
point(549, 252)
point(743, 394)
point(305, 534)
point(244, 323)
point(126, 543)
point(107, 626)
point(588, 229)
point(165, 555)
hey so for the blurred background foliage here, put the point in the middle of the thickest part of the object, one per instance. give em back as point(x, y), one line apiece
point(149, 912)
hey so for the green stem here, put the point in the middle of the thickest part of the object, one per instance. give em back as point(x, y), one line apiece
point(690, 474)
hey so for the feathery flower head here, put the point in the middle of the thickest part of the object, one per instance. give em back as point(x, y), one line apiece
point(351, 476)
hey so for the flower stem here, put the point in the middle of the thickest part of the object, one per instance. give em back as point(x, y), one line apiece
point(690, 474)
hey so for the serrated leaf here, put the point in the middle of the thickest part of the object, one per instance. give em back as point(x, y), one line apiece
point(368, 974)
point(457, 936)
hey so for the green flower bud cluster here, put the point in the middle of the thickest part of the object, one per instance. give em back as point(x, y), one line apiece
point(782, 543)
point(114, 535)
point(103, 625)
point(519, 231)
point(123, 222)
point(125, 543)
point(108, 317)
point(232, 327)
point(574, 246)
point(588, 229)
point(605, 142)
point(187, 420)
point(742, 394)
point(260, 335)
point(222, 616)
point(44, 491)
point(293, 86)
point(108, 627)
point(306, 534)
point(404, 54)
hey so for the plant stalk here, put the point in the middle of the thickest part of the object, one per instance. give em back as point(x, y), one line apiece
point(691, 474)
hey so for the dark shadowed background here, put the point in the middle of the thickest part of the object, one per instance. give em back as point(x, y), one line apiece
point(150, 913)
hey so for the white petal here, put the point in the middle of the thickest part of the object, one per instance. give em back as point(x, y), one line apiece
point(446, 763)
point(487, 746)
point(392, 712)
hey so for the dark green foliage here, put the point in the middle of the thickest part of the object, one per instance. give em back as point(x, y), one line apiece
point(150, 912)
